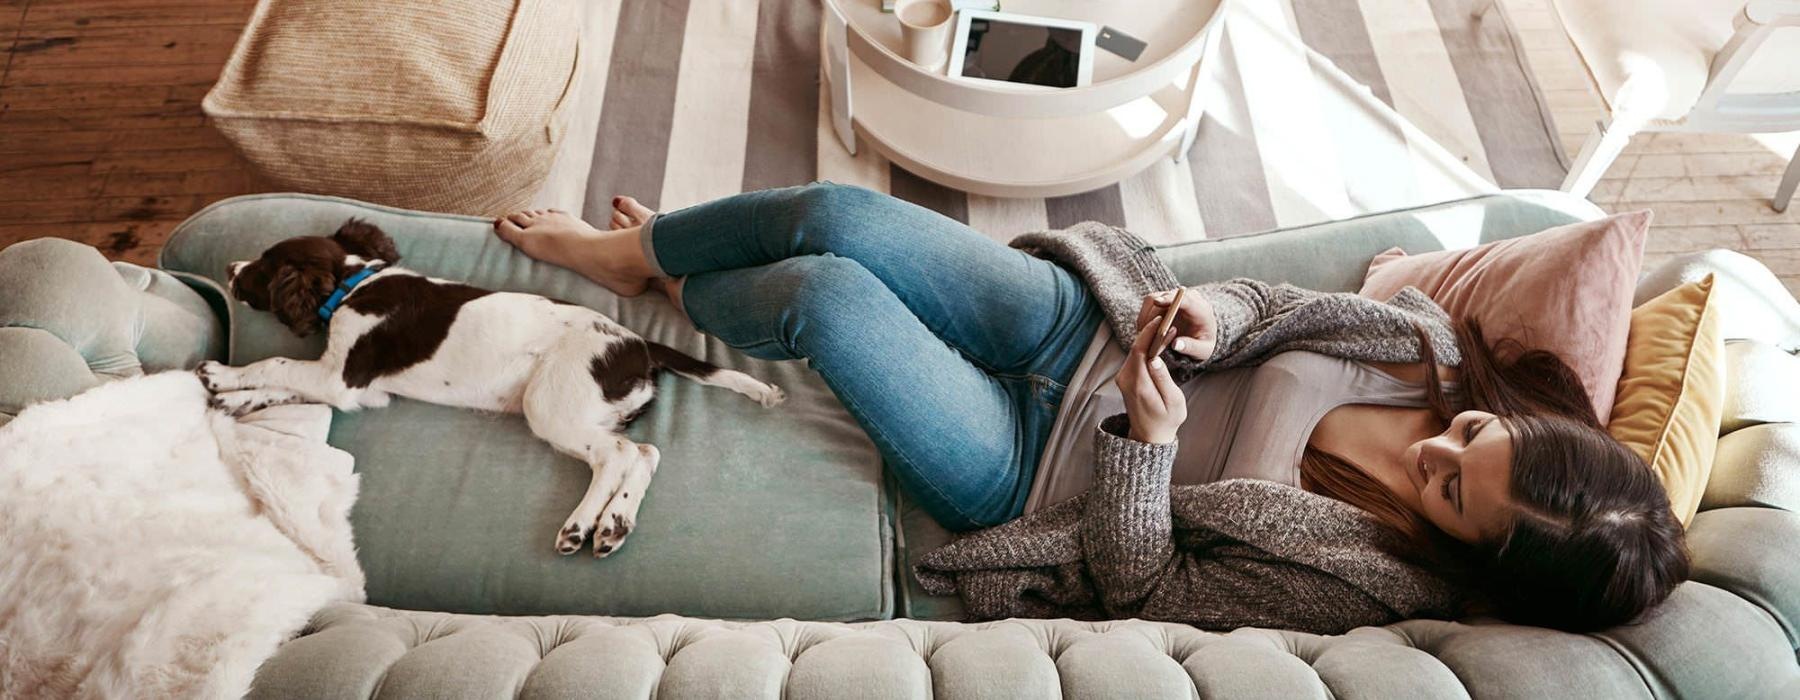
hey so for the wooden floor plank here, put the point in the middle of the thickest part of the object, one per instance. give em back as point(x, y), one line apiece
point(108, 14)
point(24, 123)
point(12, 16)
point(1681, 239)
point(93, 96)
point(1771, 236)
point(1683, 189)
point(1718, 213)
point(36, 185)
point(105, 209)
point(1657, 163)
point(218, 182)
point(123, 162)
point(112, 46)
point(132, 74)
point(135, 242)
point(111, 140)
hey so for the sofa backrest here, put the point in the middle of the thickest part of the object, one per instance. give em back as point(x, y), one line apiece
point(1333, 256)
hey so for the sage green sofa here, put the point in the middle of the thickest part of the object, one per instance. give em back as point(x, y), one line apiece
point(772, 554)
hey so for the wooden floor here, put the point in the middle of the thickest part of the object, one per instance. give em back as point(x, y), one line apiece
point(102, 139)
point(101, 135)
point(1707, 190)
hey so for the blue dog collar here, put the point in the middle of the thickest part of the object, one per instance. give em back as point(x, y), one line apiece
point(343, 290)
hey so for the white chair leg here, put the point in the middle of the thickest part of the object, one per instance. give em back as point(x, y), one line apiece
point(1785, 193)
point(1597, 154)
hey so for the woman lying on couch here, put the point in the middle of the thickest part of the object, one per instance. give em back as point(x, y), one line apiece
point(1342, 461)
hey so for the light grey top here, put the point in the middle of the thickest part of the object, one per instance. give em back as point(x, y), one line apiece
point(1246, 423)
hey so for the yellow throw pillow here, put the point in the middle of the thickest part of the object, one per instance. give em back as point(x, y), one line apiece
point(1672, 394)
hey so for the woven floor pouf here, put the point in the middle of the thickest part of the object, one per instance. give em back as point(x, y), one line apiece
point(441, 105)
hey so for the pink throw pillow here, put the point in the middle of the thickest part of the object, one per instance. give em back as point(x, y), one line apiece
point(1566, 290)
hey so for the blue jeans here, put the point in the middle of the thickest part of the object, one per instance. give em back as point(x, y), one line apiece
point(949, 349)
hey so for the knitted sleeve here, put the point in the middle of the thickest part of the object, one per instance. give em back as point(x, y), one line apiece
point(1125, 528)
point(1211, 580)
point(1257, 320)
point(1232, 585)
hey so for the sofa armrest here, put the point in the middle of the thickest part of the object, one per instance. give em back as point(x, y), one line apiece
point(1758, 305)
point(70, 320)
point(1741, 540)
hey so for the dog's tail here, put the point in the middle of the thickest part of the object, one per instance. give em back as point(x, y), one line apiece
point(681, 363)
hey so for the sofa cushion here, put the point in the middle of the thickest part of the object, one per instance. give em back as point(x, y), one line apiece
point(1750, 552)
point(1756, 467)
point(70, 320)
point(447, 105)
point(753, 513)
point(1673, 391)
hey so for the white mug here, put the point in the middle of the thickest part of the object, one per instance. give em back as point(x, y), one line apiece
point(926, 26)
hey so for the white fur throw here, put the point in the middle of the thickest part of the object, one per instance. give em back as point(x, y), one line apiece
point(152, 548)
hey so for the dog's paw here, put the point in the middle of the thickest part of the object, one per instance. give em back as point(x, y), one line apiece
point(614, 527)
point(216, 376)
point(247, 401)
point(568, 541)
point(772, 396)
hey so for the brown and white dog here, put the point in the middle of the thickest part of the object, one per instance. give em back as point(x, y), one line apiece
point(578, 377)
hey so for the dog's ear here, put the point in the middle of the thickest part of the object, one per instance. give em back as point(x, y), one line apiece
point(367, 240)
point(295, 295)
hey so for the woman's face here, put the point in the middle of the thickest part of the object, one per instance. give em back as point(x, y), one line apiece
point(1464, 476)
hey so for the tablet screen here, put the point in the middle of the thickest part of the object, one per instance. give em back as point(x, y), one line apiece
point(1022, 53)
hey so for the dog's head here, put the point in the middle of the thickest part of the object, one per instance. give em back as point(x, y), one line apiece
point(293, 278)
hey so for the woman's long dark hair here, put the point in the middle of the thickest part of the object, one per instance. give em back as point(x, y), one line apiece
point(1592, 543)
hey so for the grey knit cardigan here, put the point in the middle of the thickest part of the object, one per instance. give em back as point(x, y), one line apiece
point(1223, 555)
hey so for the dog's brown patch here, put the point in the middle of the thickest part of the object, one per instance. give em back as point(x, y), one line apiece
point(416, 315)
point(623, 368)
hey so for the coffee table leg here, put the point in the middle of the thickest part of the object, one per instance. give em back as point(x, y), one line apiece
point(1190, 127)
point(836, 70)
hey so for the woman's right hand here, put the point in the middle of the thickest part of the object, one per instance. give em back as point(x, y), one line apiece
point(1153, 401)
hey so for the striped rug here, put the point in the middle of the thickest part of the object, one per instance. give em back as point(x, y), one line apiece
point(1315, 110)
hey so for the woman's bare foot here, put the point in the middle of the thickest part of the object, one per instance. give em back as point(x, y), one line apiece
point(628, 213)
point(613, 258)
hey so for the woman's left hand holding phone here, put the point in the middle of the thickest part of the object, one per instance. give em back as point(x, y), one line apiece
point(1153, 400)
point(1193, 318)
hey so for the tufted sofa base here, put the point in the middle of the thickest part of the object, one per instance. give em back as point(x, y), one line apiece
point(361, 651)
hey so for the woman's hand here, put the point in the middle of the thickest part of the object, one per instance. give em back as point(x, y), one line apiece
point(1153, 400)
point(1196, 327)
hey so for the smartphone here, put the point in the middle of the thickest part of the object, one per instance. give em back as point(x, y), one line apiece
point(1168, 321)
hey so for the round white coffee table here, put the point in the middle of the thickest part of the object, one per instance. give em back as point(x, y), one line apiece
point(997, 141)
